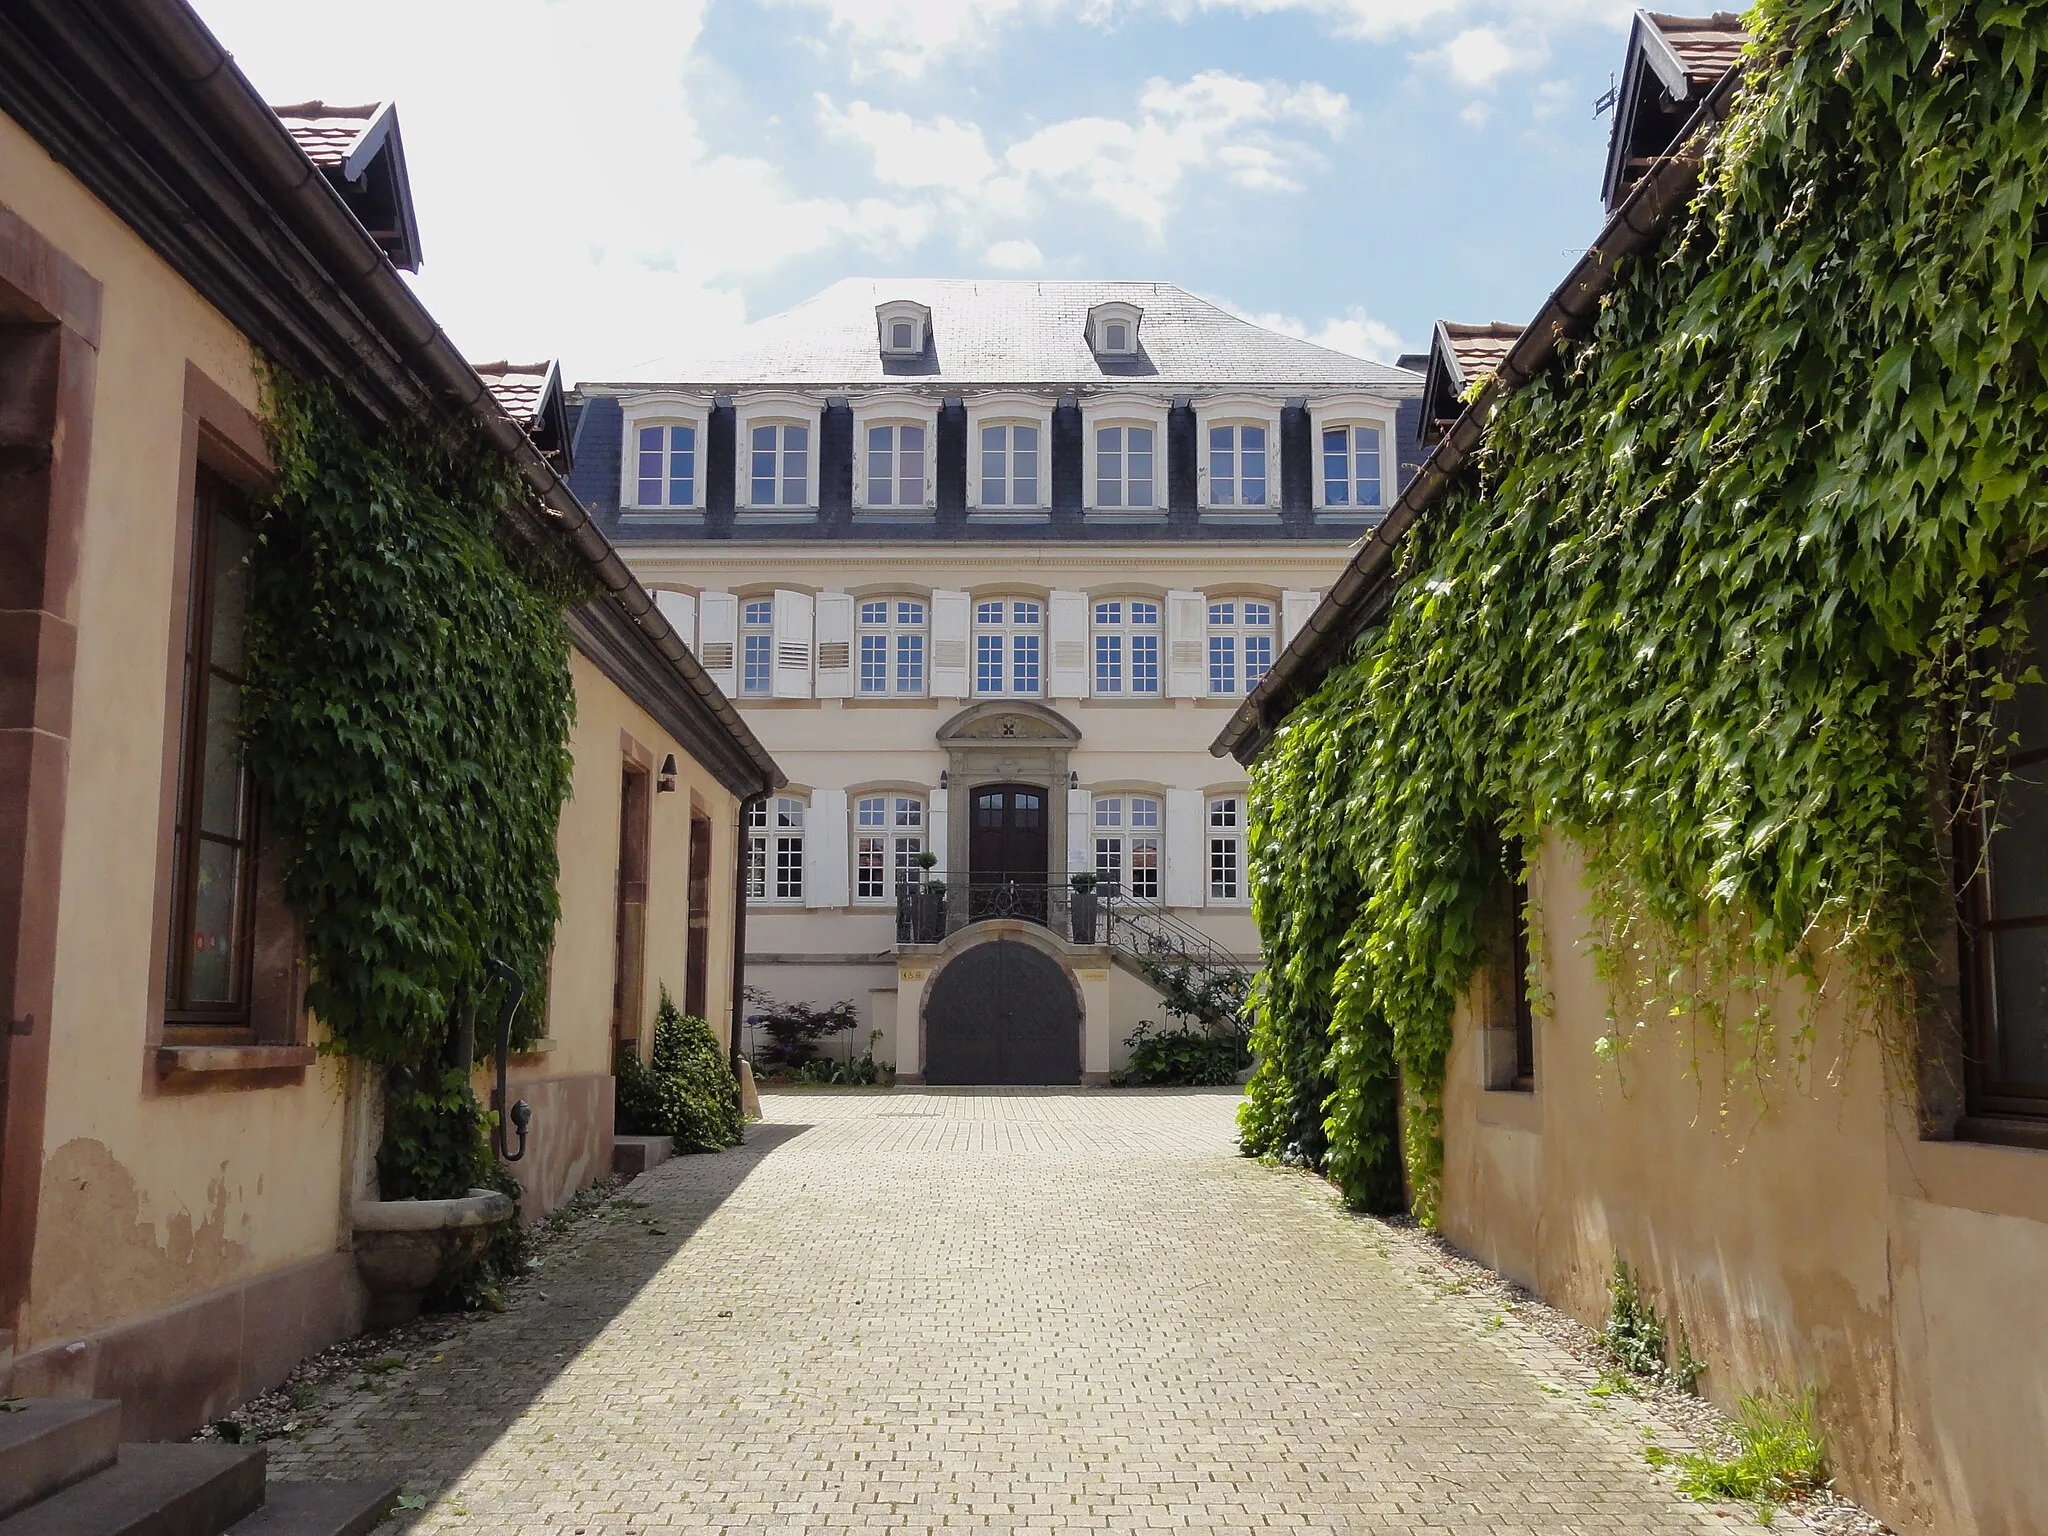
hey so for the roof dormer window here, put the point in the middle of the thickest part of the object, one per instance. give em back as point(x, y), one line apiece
point(901, 325)
point(1113, 329)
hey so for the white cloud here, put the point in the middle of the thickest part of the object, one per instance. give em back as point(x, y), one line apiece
point(1550, 98)
point(1354, 332)
point(1475, 115)
point(1252, 134)
point(906, 37)
point(540, 240)
point(1479, 56)
point(1015, 256)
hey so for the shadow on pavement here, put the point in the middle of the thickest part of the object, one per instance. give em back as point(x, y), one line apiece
point(423, 1423)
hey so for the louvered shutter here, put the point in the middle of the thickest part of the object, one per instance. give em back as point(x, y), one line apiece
point(835, 645)
point(1295, 609)
point(1187, 624)
point(1080, 830)
point(1069, 628)
point(718, 623)
point(951, 674)
point(680, 609)
point(1186, 847)
point(826, 882)
point(792, 645)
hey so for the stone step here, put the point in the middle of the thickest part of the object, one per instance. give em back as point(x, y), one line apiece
point(320, 1509)
point(153, 1490)
point(48, 1443)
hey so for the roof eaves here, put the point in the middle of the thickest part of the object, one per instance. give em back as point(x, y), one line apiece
point(1361, 593)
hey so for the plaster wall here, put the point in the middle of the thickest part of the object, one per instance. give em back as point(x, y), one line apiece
point(148, 1197)
point(1798, 1227)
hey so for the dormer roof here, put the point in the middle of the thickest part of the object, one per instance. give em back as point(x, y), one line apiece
point(1459, 357)
point(532, 396)
point(1113, 329)
point(1672, 62)
point(359, 151)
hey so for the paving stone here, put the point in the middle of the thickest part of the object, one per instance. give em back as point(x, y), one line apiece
point(993, 1310)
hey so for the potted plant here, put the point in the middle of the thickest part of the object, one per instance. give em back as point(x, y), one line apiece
point(1085, 907)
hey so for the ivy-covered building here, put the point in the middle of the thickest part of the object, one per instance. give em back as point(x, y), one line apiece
point(323, 696)
point(1647, 827)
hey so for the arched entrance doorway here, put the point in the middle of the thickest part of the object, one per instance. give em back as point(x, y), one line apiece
point(1002, 1013)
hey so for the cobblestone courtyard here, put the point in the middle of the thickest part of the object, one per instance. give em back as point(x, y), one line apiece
point(1005, 1310)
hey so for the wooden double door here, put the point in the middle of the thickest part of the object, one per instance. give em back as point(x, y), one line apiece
point(1009, 852)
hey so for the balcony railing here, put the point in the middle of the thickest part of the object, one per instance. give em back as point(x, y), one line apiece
point(928, 916)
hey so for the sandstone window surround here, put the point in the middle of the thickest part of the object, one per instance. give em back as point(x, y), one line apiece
point(1352, 439)
point(662, 453)
point(1124, 457)
point(1237, 458)
point(895, 456)
point(1009, 456)
point(776, 437)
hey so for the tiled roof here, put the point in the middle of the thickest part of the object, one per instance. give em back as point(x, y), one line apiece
point(330, 135)
point(1478, 349)
point(519, 387)
point(1707, 46)
point(1022, 333)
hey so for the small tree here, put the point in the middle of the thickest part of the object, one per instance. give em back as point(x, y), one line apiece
point(685, 1091)
point(794, 1030)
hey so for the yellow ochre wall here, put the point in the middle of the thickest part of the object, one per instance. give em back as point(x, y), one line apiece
point(1812, 1239)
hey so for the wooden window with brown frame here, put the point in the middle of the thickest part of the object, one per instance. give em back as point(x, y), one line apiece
point(697, 949)
point(2003, 849)
point(630, 953)
point(207, 978)
point(1505, 1006)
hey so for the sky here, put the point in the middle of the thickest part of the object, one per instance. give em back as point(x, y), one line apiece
point(624, 183)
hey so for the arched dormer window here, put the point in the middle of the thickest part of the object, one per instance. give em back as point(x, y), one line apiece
point(1354, 455)
point(895, 453)
point(1113, 329)
point(1238, 454)
point(901, 326)
point(778, 452)
point(662, 453)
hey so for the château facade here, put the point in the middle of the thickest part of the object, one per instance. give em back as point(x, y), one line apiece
point(985, 565)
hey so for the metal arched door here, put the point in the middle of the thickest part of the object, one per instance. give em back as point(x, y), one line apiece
point(1002, 1013)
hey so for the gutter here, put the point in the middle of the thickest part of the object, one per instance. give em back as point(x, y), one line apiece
point(290, 181)
point(1362, 594)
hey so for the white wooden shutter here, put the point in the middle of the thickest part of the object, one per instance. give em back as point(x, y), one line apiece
point(718, 624)
point(835, 645)
point(825, 875)
point(1080, 830)
point(952, 676)
point(1187, 627)
point(1069, 675)
point(1187, 815)
point(935, 832)
point(792, 645)
point(1295, 609)
point(680, 609)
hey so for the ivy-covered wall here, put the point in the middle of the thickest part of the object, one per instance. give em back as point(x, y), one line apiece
point(1723, 600)
point(407, 718)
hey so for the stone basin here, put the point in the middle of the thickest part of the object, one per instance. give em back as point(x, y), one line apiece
point(406, 1248)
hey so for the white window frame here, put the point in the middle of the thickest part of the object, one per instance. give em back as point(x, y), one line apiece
point(1122, 830)
point(895, 411)
point(775, 408)
point(1114, 312)
point(892, 630)
point(775, 847)
point(1237, 629)
point(1010, 628)
point(1009, 410)
point(1124, 411)
point(1355, 411)
point(893, 310)
point(662, 409)
point(756, 622)
point(1125, 631)
point(1220, 842)
point(1237, 411)
point(900, 841)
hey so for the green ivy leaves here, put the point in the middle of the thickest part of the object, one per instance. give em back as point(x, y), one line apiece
point(1720, 602)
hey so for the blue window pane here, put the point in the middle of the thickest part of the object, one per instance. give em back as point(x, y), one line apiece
point(1258, 659)
point(759, 611)
point(1337, 467)
point(755, 677)
point(1144, 663)
point(1109, 664)
point(1223, 613)
point(1144, 613)
point(988, 663)
point(874, 663)
point(910, 613)
point(910, 663)
point(1222, 664)
point(988, 613)
point(1024, 664)
point(874, 613)
point(1024, 613)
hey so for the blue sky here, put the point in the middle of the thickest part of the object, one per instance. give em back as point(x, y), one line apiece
point(622, 183)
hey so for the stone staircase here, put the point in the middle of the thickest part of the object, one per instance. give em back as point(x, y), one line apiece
point(1147, 940)
point(64, 1472)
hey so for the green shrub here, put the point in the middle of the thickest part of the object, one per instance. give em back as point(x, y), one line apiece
point(685, 1090)
point(1182, 1058)
point(1779, 1453)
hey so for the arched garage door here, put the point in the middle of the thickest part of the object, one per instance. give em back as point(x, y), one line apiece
point(1002, 1012)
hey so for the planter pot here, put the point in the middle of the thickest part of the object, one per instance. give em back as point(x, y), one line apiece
point(1084, 909)
point(406, 1248)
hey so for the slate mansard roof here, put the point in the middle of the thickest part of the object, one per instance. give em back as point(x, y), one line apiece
point(992, 334)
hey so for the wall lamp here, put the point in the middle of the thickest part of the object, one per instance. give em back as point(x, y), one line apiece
point(665, 781)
